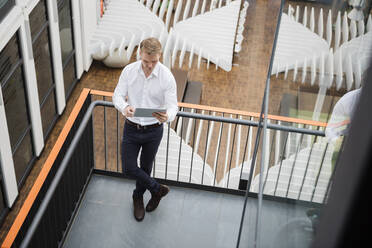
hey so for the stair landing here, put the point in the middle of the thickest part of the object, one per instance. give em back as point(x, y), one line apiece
point(184, 218)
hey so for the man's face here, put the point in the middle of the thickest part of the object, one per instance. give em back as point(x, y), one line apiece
point(149, 61)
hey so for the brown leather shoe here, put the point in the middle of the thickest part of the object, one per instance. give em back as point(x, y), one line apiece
point(139, 209)
point(156, 197)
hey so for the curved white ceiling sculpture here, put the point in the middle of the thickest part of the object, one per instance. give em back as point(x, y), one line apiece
point(210, 35)
point(296, 45)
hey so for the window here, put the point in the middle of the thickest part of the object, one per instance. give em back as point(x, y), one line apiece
point(67, 48)
point(5, 7)
point(48, 113)
point(43, 65)
point(16, 111)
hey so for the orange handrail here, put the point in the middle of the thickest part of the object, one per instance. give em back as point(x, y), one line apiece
point(231, 111)
point(25, 209)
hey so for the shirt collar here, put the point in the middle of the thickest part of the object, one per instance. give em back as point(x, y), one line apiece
point(154, 72)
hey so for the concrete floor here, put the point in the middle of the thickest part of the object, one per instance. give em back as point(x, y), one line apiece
point(185, 218)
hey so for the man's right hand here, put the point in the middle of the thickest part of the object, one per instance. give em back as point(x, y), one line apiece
point(129, 111)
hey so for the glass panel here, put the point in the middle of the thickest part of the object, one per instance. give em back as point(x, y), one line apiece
point(69, 76)
point(48, 113)
point(9, 56)
point(23, 156)
point(43, 64)
point(38, 17)
point(321, 59)
point(5, 7)
point(15, 106)
point(65, 29)
point(3, 2)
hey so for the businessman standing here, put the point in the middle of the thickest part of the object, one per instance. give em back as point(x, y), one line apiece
point(146, 83)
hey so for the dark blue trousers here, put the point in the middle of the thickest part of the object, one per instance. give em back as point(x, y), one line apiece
point(133, 140)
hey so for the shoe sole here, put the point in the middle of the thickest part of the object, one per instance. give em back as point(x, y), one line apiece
point(139, 220)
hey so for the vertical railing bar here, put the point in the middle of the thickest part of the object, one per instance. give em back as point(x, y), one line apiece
point(232, 151)
point(271, 151)
point(58, 207)
point(281, 162)
point(75, 176)
point(294, 163)
point(199, 132)
point(192, 154)
point(290, 142)
point(54, 219)
point(227, 150)
point(93, 140)
point(48, 231)
point(237, 153)
point(69, 177)
point(205, 150)
point(43, 226)
point(189, 126)
point(167, 152)
point(277, 145)
point(117, 140)
point(254, 158)
point(179, 122)
point(210, 133)
point(179, 152)
point(64, 189)
point(218, 152)
point(320, 169)
point(307, 167)
point(249, 152)
point(245, 151)
point(105, 132)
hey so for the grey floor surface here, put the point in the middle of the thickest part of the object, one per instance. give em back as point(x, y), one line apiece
point(184, 218)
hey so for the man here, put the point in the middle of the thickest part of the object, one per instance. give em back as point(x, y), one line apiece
point(336, 129)
point(338, 124)
point(147, 84)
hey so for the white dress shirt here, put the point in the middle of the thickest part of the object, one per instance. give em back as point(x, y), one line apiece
point(342, 111)
point(158, 90)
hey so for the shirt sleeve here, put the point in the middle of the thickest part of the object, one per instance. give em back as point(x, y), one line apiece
point(120, 93)
point(171, 99)
point(337, 124)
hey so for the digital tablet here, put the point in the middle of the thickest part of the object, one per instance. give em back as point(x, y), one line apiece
point(147, 112)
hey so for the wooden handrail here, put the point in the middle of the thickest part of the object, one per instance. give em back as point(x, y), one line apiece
point(31, 197)
point(230, 111)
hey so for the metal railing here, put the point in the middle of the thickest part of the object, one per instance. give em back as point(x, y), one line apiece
point(215, 152)
point(77, 156)
point(56, 204)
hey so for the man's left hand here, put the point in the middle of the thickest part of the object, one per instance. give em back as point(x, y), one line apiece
point(161, 116)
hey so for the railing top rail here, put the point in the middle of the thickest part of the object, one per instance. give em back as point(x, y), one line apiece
point(251, 123)
point(231, 111)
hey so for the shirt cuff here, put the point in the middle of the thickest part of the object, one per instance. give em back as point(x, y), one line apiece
point(123, 108)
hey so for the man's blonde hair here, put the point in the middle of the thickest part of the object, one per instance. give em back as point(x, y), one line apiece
point(150, 46)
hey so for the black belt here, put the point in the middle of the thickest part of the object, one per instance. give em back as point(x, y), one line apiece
point(138, 126)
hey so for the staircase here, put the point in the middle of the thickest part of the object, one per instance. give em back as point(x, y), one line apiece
point(303, 176)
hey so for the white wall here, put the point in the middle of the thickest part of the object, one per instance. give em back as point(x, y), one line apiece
point(89, 14)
